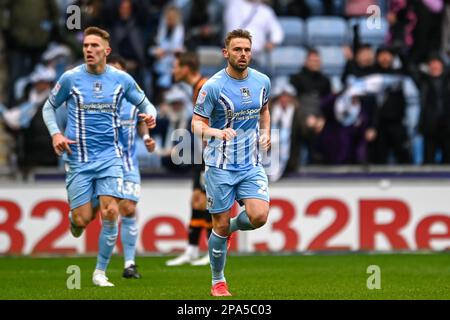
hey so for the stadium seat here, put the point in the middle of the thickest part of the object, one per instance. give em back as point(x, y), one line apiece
point(326, 31)
point(333, 60)
point(287, 60)
point(294, 30)
point(370, 34)
point(211, 60)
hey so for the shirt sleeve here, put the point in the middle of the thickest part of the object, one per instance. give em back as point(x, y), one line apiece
point(204, 105)
point(148, 108)
point(49, 116)
point(132, 92)
point(61, 91)
point(266, 96)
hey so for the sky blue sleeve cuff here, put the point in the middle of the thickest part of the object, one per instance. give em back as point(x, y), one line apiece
point(49, 115)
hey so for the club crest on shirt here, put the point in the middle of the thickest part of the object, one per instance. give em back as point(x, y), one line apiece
point(245, 93)
point(98, 89)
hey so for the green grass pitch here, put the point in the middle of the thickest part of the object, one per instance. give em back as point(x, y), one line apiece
point(262, 277)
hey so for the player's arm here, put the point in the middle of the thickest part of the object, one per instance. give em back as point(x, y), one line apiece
point(264, 126)
point(143, 132)
point(59, 141)
point(200, 127)
point(203, 109)
point(148, 113)
point(136, 96)
point(58, 95)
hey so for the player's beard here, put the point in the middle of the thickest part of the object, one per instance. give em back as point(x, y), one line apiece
point(237, 67)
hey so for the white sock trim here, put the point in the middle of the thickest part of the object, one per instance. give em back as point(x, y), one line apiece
point(98, 271)
point(217, 281)
point(129, 263)
point(218, 235)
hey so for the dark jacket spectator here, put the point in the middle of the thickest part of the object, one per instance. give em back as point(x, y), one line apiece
point(312, 86)
point(434, 123)
point(389, 124)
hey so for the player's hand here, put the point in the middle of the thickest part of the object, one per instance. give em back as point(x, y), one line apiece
point(150, 144)
point(149, 120)
point(227, 134)
point(264, 141)
point(61, 144)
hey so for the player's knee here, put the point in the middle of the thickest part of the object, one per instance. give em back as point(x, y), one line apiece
point(222, 228)
point(79, 221)
point(258, 218)
point(110, 212)
point(127, 208)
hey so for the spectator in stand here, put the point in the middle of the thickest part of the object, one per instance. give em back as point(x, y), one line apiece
point(311, 86)
point(343, 138)
point(28, 27)
point(428, 32)
point(34, 145)
point(434, 123)
point(390, 127)
point(174, 114)
point(169, 40)
point(284, 109)
point(359, 66)
point(127, 41)
point(204, 25)
point(262, 23)
point(446, 29)
point(402, 21)
point(296, 8)
point(3, 70)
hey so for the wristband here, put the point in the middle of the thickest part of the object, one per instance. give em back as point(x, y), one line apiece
point(146, 137)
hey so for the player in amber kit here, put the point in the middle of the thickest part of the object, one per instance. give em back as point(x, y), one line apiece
point(186, 68)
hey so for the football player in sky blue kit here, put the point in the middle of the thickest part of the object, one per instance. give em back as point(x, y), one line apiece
point(130, 125)
point(93, 93)
point(232, 113)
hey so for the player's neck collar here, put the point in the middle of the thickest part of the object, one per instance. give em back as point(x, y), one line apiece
point(95, 74)
point(238, 79)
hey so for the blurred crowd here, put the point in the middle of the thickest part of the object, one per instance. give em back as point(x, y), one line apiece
point(390, 103)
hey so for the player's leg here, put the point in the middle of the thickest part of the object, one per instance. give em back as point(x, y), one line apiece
point(109, 211)
point(207, 226)
point(79, 218)
point(255, 214)
point(108, 187)
point(128, 228)
point(80, 190)
point(220, 198)
point(129, 234)
point(253, 191)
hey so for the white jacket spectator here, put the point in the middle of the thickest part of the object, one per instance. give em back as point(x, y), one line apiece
point(259, 19)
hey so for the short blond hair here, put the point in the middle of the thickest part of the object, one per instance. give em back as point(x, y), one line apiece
point(96, 31)
point(237, 33)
